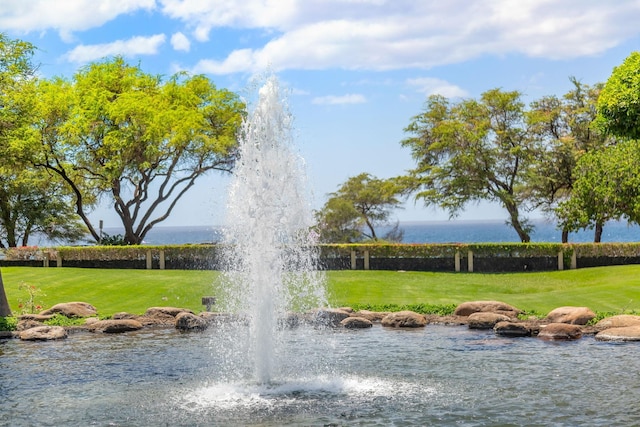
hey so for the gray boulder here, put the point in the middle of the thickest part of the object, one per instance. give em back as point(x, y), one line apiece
point(512, 329)
point(627, 333)
point(619, 321)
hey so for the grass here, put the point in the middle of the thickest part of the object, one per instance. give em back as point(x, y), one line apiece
point(603, 289)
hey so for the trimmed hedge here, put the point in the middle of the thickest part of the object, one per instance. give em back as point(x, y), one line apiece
point(487, 257)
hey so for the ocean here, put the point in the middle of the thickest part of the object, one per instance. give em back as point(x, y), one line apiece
point(455, 231)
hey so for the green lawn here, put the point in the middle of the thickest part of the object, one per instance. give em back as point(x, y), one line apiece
point(604, 289)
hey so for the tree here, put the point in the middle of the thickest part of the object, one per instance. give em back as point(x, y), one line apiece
point(564, 129)
point(120, 134)
point(619, 102)
point(362, 204)
point(470, 151)
point(607, 187)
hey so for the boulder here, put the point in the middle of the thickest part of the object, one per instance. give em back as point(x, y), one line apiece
point(560, 331)
point(627, 333)
point(571, 315)
point(470, 307)
point(23, 325)
point(71, 309)
point(5, 335)
point(43, 333)
point(115, 326)
point(161, 315)
point(619, 321)
point(355, 322)
point(330, 316)
point(485, 320)
point(36, 317)
point(373, 316)
point(404, 319)
point(512, 329)
point(190, 322)
point(124, 315)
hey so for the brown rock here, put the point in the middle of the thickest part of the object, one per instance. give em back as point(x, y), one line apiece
point(165, 312)
point(404, 319)
point(23, 325)
point(190, 322)
point(512, 329)
point(115, 326)
point(627, 333)
point(619, 321)
point(560, 331)
point(356, 323)
point(373, 316)
point(72, 309)
point(470, 307)
point(124, 315)
point(36, 317)
point(330, 316)
point(571, 315)
point(485, 320)
point(43, 333)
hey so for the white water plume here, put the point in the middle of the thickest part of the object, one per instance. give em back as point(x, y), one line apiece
point(270, 263)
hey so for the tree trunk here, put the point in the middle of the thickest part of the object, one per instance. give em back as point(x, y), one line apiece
point(597, 236)
point(5, 310)
point(565, 235)
point(515, 222)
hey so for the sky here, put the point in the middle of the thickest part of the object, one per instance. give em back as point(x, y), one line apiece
point(356, 71)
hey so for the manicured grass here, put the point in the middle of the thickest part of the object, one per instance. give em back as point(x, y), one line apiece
point(603, 289)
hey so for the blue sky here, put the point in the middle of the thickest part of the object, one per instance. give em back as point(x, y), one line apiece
point(357, 70)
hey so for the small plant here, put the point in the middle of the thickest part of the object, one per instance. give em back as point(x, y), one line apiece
point(8, 323)
point(31, 304)
point(61, 320)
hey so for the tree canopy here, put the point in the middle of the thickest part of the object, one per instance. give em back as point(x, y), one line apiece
point(117, 133)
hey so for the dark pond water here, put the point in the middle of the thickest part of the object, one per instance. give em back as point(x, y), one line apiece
point(438, 375)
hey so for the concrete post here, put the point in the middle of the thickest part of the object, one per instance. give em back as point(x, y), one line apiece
point(456, 261)
point(162, 259)
point(560, 260)
point(353, 260)
point(470, 261)
point(149, 260)
point(366, 260)
point(45, 261)
point(574, 260)
point(58, 260)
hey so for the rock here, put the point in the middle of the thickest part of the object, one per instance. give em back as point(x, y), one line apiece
point(115, 326)
point(619, 321)
point(485, 320)
point(72, 309)
point(355, 322)
point(23, 325)
point(571, 315)
point(373, 316)
point(5, 335)
point(346, 309)
point(90, 321)
point(404, 319)
point(627, 333)
point(124, 315)
point(560, 331)
point(43, 333)
point(512, 329)
point(470, 307)
point(190, 322)
point(36, 317)
point(330, 316)
point(165, 312)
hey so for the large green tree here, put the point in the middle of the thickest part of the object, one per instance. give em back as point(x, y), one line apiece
point(358, 208)
point(136, 140)
point(619, 102)
point(473, 150)
point(16, 70)
point(565, 132)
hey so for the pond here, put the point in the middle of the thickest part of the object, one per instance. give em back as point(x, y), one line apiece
point(438, 375)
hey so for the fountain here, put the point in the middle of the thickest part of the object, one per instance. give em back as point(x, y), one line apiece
point(270, 262)
point(254, 372)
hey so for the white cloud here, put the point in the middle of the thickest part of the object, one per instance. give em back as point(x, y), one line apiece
point(180, 42)
point(24, 16)
point(131, 47)
point(386, 35)
point(432, 86)
point(351, 98)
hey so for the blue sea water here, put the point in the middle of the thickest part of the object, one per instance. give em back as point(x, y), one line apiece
point(456, 231)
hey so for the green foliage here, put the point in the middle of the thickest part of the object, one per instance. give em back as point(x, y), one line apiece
point(422, 308)
point(8, 323)
point(64, 321)
point(112, 240)
point(354, 212)
point(619, 103)
point(472, 150)
point(33, 303)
